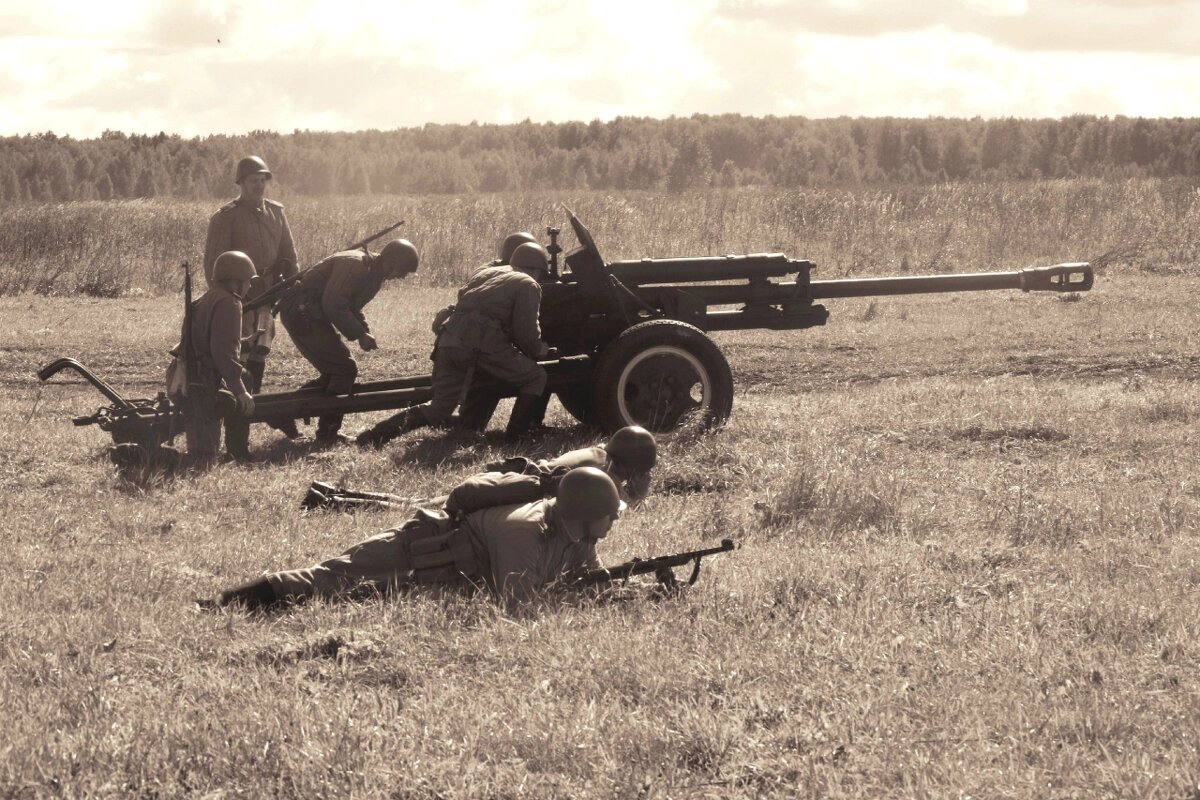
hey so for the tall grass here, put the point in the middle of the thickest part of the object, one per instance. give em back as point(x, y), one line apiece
point(116, 248)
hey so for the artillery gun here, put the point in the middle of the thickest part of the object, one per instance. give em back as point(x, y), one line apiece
point(631, 339)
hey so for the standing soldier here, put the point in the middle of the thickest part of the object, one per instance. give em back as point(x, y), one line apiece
point(493, 326)
point(328, 301)
point(257, 227)
point(216, 339)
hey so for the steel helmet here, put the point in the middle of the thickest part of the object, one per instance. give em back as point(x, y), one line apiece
point(512, 242)
point(530, 256)
point(233, 265)
point(251, 165)
point(400, 256)
point(587, 503)
point(633, 447)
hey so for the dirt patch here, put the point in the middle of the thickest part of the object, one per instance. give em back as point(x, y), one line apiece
point(976, 433)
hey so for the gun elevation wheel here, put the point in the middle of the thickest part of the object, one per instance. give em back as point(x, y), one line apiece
point(661, 374)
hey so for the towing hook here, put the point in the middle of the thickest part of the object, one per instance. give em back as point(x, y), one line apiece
point(58, 365)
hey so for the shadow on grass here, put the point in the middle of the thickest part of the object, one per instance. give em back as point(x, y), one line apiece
point(432, 449)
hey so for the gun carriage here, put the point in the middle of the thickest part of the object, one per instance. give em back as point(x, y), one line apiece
point(631, 338)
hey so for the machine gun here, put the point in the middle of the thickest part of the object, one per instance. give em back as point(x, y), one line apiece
point(632, 338)
point(273, 295)
point(661, 566)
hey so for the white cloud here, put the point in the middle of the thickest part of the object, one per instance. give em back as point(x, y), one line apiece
point(1000, 8)
point(942, 73)
point(150, 65)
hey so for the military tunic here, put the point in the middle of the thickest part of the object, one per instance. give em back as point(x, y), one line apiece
point(329, 300)
point(264, 235)
point(215, 333)
point(516, 550)
point(261, 233)
point(632, 490)
point(493, 327)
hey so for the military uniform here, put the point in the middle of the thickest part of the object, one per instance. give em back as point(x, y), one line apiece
point(492, 327)
point(264, 235)
point(216, 325)
point(328, 301)
point(632, 490)
point(515, 551)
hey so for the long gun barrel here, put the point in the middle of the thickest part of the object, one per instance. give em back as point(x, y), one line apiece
point(1060, 278)
point(687, 288)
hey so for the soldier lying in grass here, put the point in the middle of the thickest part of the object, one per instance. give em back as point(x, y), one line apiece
point(627, 458)
point(514, 551)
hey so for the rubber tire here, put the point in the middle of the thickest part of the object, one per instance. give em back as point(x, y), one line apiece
point(580, 403)
point(631, 346)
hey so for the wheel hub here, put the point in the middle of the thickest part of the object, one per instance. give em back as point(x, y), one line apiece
point(661, 386)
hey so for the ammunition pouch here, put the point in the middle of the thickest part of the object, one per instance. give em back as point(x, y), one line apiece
point(475, 331)
point(440, 552)
point(296, 318)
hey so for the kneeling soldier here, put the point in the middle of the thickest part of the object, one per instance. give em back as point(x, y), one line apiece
point(329, 300)
point(493, 326)
point(516, 551)
point(216, 338)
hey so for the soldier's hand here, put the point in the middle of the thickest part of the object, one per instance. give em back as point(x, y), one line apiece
point(638, 486)
point(245, 404)
point(367, 343)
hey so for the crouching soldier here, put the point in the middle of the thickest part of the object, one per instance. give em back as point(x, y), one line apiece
point(329, 301)
point(493, 327)
point(216, 339)
point(627, 457)
point(515, 551)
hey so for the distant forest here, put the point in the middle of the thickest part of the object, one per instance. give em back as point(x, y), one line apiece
point(676, 154)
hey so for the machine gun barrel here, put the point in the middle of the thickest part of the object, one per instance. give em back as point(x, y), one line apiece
point(1060, 278)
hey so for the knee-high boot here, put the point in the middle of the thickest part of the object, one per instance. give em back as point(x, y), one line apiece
point(396, 425)
point(525, 411)
point(254, 596)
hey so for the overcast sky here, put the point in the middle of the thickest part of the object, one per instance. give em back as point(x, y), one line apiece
point(229, 66)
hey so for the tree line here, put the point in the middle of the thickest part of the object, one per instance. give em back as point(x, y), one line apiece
point(675, 154)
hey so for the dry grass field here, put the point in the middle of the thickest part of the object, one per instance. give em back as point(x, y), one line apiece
point(968, 568)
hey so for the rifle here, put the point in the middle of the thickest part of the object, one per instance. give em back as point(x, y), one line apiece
point(660, 566)
point(274, 294)
point(183, 372)
point(326, 495)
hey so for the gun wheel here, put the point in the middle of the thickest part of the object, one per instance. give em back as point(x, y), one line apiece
point(663, 374)
point(579, 403)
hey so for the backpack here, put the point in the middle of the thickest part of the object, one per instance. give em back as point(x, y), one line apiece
point(491, 489)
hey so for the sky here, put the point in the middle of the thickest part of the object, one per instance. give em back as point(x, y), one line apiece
point(197, 67)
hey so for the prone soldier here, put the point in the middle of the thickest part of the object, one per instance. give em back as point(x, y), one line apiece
point(627, 457)
point(328, 301)
point(515, 551)
point(216, 339)
point(493, 326)
point(257, 227)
